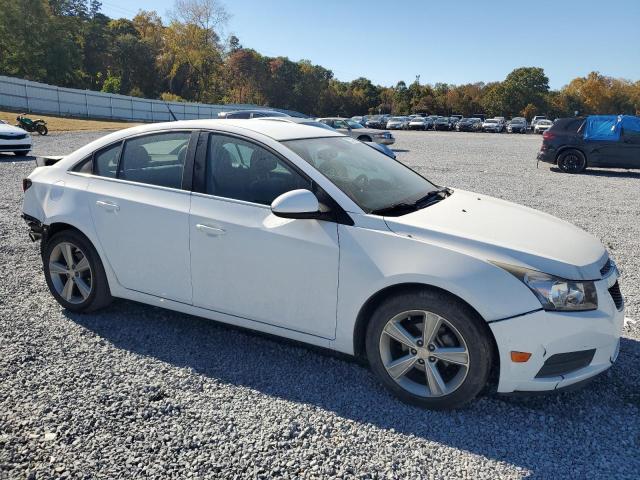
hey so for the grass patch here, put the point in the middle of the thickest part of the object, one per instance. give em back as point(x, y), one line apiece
point(66, 124)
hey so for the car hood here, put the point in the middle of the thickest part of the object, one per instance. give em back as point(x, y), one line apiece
point(6, 128)
point(501, 231)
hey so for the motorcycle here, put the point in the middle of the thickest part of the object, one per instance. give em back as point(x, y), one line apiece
point(37, 125)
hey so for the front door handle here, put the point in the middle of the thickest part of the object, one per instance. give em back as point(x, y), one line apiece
point(108, 206)
point(209, 230)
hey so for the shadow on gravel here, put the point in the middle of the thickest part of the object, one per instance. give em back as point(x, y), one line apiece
point(10, 157)
point(590, 172)
point(587, 432)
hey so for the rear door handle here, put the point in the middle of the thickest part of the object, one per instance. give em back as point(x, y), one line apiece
point(108, 206)
point(209, 230)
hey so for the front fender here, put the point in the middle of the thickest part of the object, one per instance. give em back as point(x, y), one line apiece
point(373, 260)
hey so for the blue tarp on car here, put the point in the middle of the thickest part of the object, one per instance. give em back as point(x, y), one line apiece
point(602, 127)
point(609, 127)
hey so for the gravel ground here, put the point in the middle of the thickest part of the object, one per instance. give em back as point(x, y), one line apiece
point(139, 392)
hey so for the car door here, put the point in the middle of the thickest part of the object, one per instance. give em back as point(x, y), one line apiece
point(247, 262)
point(141, 212)
point(607, 153)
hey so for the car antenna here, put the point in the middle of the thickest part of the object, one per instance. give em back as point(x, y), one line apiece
point(171, 112)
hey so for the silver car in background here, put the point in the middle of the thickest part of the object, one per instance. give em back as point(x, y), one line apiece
point(398, 123)
point(357, 131)
point(420, 123)
point(494, 125)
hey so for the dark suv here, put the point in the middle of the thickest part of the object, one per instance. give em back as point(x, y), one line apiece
point(568, 145)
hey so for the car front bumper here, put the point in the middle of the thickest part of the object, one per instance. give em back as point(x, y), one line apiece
point(15, 145)
point(385, 140)
point(591, 337)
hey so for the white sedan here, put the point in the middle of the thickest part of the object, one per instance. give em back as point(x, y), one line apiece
point(309, 234)
point(542, 126)
point(14, 139)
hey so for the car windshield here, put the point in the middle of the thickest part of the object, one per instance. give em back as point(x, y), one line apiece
point(491, 121)
point(354, 125)
point(367, 176)
point(517, 120)
point(396, 119)
point(417, 119)
point(545, 122)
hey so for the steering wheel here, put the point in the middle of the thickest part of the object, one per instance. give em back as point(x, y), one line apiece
point(361, 181)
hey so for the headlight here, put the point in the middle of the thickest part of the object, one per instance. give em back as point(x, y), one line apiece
point(556, 293)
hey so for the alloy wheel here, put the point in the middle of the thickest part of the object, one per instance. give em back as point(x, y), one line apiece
point(572, 162)
point(70, 272)
point(424, 353)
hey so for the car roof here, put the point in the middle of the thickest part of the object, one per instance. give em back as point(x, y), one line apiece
point(276, 130)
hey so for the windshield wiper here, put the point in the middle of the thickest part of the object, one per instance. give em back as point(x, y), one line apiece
point(432, 197)
point(397, 209)
point(402, 208)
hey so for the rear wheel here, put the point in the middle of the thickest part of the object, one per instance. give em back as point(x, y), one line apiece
point(74, 272)
point(429, 349)
point(42, 129)
point(572, 161)
point(364, 138)
point(21, 152)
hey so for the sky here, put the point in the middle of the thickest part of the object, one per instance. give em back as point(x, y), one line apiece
point(459, 41)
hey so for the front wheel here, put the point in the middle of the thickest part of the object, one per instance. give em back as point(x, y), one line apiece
point(42, 129)
point(74, 273)
point(572, 161)
point(364, 138)
point(429, 349)
point(21, 152)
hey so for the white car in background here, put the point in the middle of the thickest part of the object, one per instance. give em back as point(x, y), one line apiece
point(309, 234)
point(14, 139)
point(542, 126)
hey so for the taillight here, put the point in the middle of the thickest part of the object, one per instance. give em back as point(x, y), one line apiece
point(548, 135)
point(26, 183)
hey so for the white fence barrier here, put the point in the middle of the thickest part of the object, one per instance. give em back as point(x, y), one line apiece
point(27, 96)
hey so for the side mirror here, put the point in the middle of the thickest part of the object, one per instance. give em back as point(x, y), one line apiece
point(296, 204)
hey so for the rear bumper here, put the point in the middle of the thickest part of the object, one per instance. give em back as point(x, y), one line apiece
point(566, 347)
point(547, 155)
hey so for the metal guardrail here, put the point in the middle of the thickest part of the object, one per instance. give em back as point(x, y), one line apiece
point(33, 97)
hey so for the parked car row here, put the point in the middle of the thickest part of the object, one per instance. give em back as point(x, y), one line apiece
point(476, 123)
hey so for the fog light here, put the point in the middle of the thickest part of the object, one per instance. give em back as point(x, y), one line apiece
point(520, 357)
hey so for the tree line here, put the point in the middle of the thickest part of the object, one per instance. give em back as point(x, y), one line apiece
point(71, 43)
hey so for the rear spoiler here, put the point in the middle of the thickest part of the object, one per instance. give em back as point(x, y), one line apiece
point(48, 161)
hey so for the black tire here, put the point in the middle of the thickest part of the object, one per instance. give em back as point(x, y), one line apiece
point(468, 324)
point(364, 138)
point(21, 152)
point(42, 129)
point(100, 295)
point(572, 161)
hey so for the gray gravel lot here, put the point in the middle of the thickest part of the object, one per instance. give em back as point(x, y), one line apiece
point(139, 392)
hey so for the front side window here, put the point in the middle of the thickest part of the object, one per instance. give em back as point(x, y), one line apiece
point(156, 159)
point(245, 171)
point(368, 177)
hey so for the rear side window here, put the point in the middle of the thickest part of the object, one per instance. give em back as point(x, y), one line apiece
point(156, 159)
point(105, 162)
